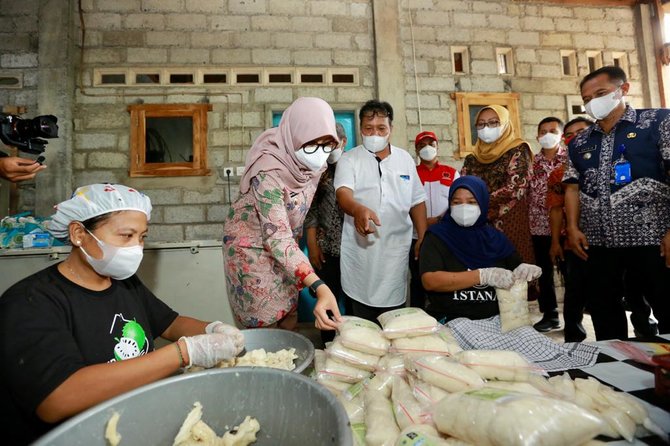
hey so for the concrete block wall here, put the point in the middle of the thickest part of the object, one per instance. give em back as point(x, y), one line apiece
point(535, 32)
point(206, 33)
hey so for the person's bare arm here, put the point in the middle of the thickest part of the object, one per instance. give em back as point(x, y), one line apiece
point(445, 281)
point(15, 169)
point(555, 225)
point(362, 214)
point(418, 215)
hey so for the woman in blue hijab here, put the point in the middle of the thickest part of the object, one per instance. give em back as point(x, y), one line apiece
point(464, 259)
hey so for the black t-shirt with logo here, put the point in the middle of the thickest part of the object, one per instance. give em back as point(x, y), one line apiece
point(477, 302)
point(52, 327)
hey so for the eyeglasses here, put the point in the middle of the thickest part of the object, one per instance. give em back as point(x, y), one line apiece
point(312, 148)
point(490, 124)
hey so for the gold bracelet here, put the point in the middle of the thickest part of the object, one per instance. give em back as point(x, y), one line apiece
point(181, 356)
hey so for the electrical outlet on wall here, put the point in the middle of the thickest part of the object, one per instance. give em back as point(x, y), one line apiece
point(228, 171)
point(239, 171)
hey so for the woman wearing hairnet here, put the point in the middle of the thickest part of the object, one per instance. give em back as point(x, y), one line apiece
point(82, 331)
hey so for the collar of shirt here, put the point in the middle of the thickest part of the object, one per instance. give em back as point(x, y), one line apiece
point(629, 115)
point(422, 167)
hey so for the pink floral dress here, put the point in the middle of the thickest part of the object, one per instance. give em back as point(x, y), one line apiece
point(263, 264)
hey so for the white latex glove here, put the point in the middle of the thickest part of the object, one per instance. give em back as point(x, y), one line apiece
point(234, 332)
point(207, 350)
point(496, 277)
point(527, 272)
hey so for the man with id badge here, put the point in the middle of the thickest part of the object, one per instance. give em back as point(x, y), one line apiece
point(617, 202)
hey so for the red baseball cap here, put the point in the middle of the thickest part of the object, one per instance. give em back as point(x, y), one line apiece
point(423, 135)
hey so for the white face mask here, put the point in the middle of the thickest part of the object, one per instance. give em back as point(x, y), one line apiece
point(489, 135)
point(118, 262)
point(313, 161)
point(375, 143)
point(600, 108)
point(465, 214)
point(549, 140)
point(428, 153)
point(334, 156)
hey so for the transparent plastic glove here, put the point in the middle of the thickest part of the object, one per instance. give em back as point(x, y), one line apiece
point(234, 332)
point(207, 350)
point(496, 277)
point(527, 272)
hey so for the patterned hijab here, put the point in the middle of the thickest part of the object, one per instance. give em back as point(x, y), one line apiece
point(303, 121)
point(488, 153)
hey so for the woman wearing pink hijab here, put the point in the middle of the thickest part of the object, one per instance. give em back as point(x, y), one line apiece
point(264, 266)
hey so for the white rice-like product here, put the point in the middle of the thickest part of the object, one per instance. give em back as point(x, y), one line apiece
point(352, 357)
point(444, 372)
point(339, 371)
point(354, 408)
point(319, 360)
point(513, 306)
point(381, 428)
point(406, 322)
point(393, 364)
point(493, 417)
point(406, 408)
point(429, 344)
point(362, 335)
point(519, 387)
point(426, 394)
point(337, 388)
point(502, 365)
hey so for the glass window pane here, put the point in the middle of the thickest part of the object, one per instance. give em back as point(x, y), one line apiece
point(169, 140)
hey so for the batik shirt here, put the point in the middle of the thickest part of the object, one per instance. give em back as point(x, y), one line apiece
point(538, 212)
point(632, 214)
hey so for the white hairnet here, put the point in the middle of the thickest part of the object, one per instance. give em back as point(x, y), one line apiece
point(95, 200)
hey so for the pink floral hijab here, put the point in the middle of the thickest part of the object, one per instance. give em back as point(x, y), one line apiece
point(303, 121)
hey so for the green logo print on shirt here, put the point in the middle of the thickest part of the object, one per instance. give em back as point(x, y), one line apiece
point(132, 342)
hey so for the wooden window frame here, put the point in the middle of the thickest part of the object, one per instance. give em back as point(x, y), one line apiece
point(138, 115)
point(463, 103)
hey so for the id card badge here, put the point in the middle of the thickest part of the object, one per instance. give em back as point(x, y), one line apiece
point(622, 174)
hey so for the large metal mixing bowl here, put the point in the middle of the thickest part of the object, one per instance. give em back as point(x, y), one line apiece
point(274, 339)
point(291, 409)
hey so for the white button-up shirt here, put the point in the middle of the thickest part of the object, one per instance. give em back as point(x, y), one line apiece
point(374, 268)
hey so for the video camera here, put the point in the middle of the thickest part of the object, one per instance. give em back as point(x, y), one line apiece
point(25, 134)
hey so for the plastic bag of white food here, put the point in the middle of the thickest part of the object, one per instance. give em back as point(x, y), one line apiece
point(493, 417)
point(426, 394)
point(381, 428)
point(362, 335)
point(501, 365)
point(406, 408)
point(352, 357)
point(354, 408)
point(513, 306)
point(406, 322)
point(339, 371)
point(393, 364)
point(444, 372)
point(430, 344)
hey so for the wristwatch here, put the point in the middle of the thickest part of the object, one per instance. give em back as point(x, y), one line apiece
point(316, 284)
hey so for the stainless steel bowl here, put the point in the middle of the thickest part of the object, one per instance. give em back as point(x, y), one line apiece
point(291, 409)
point(274, 339)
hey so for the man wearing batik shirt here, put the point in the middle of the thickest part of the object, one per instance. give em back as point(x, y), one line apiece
point(552, 155)
point(436, 179)
point(618, 201)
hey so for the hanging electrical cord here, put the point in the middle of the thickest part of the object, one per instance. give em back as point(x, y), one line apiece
point(416, 77)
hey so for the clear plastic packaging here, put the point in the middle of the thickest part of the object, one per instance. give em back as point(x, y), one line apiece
point(406, 408)
point(381, 428)
point(352, 357)
point(339, 371)
point(362, 335)
point(513, 306)
point(429, 344)
point(488, 417)
point(407, 322)
point(444, 372)
point(393, 364)
point(502, 365)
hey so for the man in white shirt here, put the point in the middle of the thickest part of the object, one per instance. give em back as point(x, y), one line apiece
point(379, 190)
